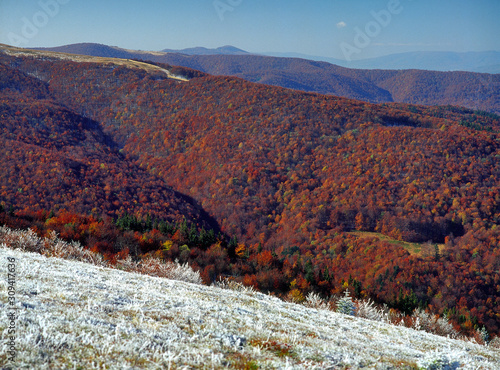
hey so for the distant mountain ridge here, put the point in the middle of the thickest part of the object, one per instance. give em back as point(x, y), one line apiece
point(468, 89)
point(479, 62)
point(224, 50)
point(94, 49)
point(442, 61)
point(100, 50)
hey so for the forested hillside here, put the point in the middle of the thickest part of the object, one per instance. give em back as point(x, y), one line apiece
point(287, 175)
point(54, 158)
point(471, 90)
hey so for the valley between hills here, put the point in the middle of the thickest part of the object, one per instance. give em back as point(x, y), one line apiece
point(288, 191)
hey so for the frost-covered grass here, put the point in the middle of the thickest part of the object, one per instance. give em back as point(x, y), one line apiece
point(77, 315)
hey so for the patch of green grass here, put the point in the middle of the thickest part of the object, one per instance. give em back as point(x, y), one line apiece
point(413, 248)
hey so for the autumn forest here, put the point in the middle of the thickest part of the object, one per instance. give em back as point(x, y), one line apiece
point(288, 191)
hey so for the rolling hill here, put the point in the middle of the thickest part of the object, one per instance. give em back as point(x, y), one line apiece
point(286, 174)
point(54, 158)
point(471, 90)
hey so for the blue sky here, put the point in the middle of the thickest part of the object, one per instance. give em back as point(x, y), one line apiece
point(354, 29)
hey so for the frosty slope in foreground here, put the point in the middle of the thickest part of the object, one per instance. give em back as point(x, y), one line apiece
point(74, 314)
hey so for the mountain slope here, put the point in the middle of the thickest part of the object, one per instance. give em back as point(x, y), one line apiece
point(54, 158)
point(99, 50)
point(478, 91)
point(73, 314)
point(471, 90)
point(290, 73)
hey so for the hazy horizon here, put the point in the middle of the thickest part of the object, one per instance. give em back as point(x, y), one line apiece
point(269, 52)
point(351, 30)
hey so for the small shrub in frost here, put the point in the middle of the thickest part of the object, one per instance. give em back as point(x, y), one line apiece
point(233, 285)
point(483, 335)
point(58, 248)
point(314, 300)
point(366, 309)
point(433, 324)
point(52, 246)
point(26, 240)
point(126, 264)
point(295, 296)
point(346, 305)
point(445, 328)
point(170, 270)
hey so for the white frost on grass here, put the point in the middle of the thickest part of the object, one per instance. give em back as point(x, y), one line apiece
point(73, 314)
